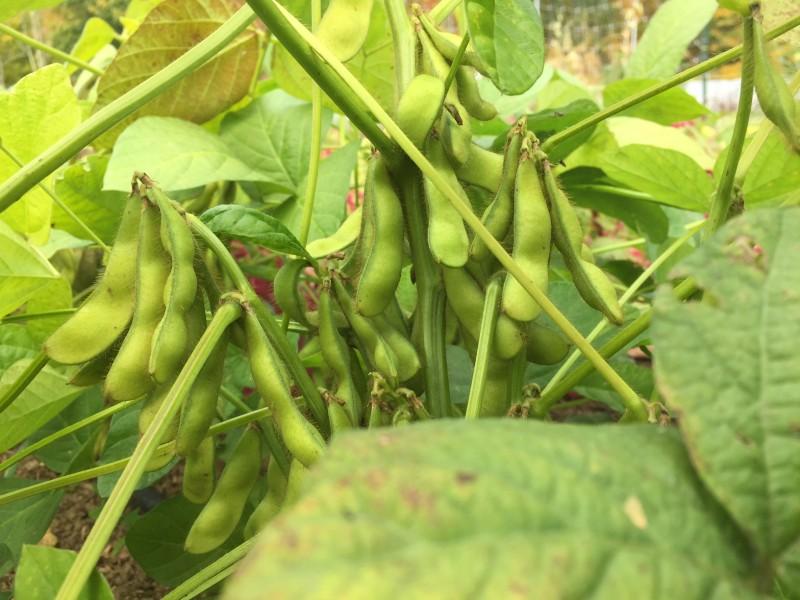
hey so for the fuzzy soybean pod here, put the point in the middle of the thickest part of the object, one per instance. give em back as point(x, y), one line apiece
point(483, 169)
point(171, 336)
point(286, 288)
point(531, 248)
point(545, 346)
point(470, 95)
point(270, 504)
point(129, 376)
point(344, 27)
point(407, 359)
point(105, 314)
point(774, 95)
point(383, 260)
point(448, 43)
point(301, 438)
point(466, 298)
point(447, 233)
point(592, 284)
point(198, 473)
point(336, 354)
point(295, 482)
point(499, 215)
point(222, 512)
point(419, 107)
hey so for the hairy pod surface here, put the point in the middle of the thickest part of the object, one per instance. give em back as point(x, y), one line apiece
point(545, 346)
point(336, 355)
point(198, 473)
point(483, 169)
point(286, 288)
point(270, 504)
point(344, 27)
point(105, 314)
point(419, 107)
point(448, 43)
point(470, 95)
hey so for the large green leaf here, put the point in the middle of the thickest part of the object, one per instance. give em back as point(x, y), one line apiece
point(549, 121)
point(508, 36)
point(168, 31)
point(729, 367)
point(675, 24)
point(668, 176)
point(500, 509)
point(11, 8)
point(774, 175)
point(666, 108)
point(179, 155)
point(23, 271)
point(250, 225)
point(40, 110)
point(16, 343)
point(631, 130)
point(42, 570)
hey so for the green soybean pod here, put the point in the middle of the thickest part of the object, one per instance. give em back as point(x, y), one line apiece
point(531, 249)
point(295, 482)
point(336, 354)
point(344, 27)
point(337, 414)
point(222, 512)
point(499, 215)
point(419, 107)
point(95, 370)
point(383, 261)
point(470, 95)
point(447, 233)
point(466, 298)
point(286, 288)
point(198, 473)
point(448, 43)
point(129, 376)
point(483, 169)
point(455, 133)
point(592, 284)
point(301, 438)
point(105, 314)
point(774, 95)
point(270, 504)
point(496, 396)
point(407, 359)
point(545, 346)
point(171, 335)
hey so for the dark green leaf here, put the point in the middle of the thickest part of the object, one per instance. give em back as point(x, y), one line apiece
point(252, 226)
point(552, 120)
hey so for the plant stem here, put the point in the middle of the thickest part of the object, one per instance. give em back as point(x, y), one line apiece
point(654, 90)
point(37, 363)
point(46, 441)
point(597, 250)
point(54, 52)
point(617, 191)
point(70, 213)
point(13, 188)
point(59, 312)
point(442, 10)
point(192, 585)
point(629, 397)
point(271, 327)
point(477, 387)
point(403, 38)
point(723, 198)
point(98, 537)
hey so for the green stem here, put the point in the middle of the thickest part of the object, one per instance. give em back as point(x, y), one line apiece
point(37, 363)
point(629, 397)
point(477, 387)
point(112, 510)
point(442, 10)
point(54, 52)
point(13, 188)
point(325, 77)
point(194, 585)
point(403, 39)
point(70, 213)
point(267, 320)
point(597, 250)
point(617, 191)
point(654, 90)
point(544, 405)
point(451, 74)
point(53, 437)
point(723, 198)
point(60, 312)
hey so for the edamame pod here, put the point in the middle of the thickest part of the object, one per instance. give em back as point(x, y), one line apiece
point(270, 504)
point(448, 43)
point(407, 360)
point(447, 233)
point(198, 473)
point(483, 168)
point(301, 438)
point(344, 27)
point(496, 398)
point(531, 249)
point(336, 354)
point(383, 260)
point(222, 512)
point(105, 314)
point(545, 346)
point(171, 335)
point(294, 485)
point(337, 414)
point(455, 133)
point(498, 216)
point(95, 370)
point(129, 376)
point(774, 95)
point(592, 284)
point(286, 288)
point(470, 95)
point(466, 298)
point(419, 107)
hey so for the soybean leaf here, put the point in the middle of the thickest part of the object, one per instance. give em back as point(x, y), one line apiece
point(675, 24)
point(729, 367)
point(179, 155)
point(669, 177)
point(23, 271)
point(156, 542)
point(25, 521)
point(57, 294)
point(96, 35)
point(508, 36)
point(552, 120)
point(252, 226)
point(42, 570)
point(535, 509)
point(16, 343)
point(630, 130)
point(668, 107)
point(11, 8)
point(168, 31)
point(774, 175)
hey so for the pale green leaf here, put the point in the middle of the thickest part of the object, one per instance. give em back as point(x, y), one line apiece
point(11, 8)
point(57, 294)
point(23, 271)
point(96, 35)
point(630, 130)
point(42, 570)
point(16, 343)
point(774, 175)
point(668, 107)
point(345, 235)
point(500, 509)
